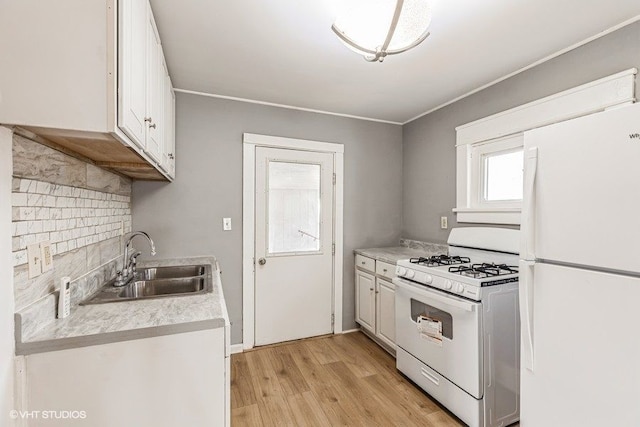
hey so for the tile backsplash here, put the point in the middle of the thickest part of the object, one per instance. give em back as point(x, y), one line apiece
point(81, 209)
point(68, 217)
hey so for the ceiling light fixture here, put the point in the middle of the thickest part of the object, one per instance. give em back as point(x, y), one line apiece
point(377, 28)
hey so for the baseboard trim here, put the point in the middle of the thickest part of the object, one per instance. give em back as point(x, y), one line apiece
point(239, 348)
point(236, 348)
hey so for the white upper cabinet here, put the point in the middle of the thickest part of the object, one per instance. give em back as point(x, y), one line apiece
point(96, 86)
point(132, 55)
point(169, 164)
point(155, 91)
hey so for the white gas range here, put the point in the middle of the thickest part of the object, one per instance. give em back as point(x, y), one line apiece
point(459, 275)
point(457, 325)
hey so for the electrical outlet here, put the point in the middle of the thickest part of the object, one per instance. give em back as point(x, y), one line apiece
point(226, 224)
point(34, 257)
point(46, 256)
point(443, 222)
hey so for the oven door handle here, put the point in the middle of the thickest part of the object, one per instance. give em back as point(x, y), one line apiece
point(451, 301)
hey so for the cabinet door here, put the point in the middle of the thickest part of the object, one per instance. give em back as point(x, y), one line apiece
point(386, 312)
point(184, 385)
point(155, 91)
point(365, 300)
point(132, 68)
point(162, 122)
point(169, 159)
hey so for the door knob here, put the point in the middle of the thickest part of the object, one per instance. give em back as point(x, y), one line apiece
point(262, 261)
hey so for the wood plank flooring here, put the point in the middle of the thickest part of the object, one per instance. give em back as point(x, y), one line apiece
point(335, 380)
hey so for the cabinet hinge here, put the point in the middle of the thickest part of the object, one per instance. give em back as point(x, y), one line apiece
point(334, 179)
point(333, 249)
point(333, 320)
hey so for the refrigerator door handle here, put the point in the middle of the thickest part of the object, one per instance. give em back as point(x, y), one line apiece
point(526, 312)
point(527, 250)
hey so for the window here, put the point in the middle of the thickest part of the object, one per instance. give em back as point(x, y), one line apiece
point(489, 155)
point(497, 170)
point(503, 176)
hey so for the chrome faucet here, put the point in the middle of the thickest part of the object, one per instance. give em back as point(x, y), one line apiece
point(125, 275)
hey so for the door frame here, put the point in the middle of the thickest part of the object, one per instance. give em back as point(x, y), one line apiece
point(249, 143)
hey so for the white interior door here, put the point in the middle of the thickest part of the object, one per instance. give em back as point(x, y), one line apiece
point(293, 245)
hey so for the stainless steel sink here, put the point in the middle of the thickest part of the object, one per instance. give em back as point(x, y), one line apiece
point(151, 288)
point(173, 272)
point(157, 282)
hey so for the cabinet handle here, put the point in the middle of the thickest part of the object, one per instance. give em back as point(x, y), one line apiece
point(384, 270)
point(153, 126)
point(377, 292)
point(148, 119)
point(370, 289)
point(364, 262)
point(170, 155)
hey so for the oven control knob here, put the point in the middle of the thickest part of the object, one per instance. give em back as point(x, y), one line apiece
point(448, 284)
point(428, 279)
point(401, 271)
point(459, 288)
point(410, 274)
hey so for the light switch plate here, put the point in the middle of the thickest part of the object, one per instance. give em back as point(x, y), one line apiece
point(47, 257)
point(34, 257)
point(226, 224)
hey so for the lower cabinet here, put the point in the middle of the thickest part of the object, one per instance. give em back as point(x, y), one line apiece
point(386, 311)
point(164, 381)
point(375, 299)
point(366, 300)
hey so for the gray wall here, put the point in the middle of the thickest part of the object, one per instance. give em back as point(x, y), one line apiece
point(185, 217)
point(429, 168)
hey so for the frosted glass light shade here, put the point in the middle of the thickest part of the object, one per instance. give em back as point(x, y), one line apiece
point(377, 28)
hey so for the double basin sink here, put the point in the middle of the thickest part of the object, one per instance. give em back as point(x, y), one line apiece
point(157, 282)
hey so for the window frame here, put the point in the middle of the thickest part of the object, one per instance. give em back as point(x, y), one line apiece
point(608, 92)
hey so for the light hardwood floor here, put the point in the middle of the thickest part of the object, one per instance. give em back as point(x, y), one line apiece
point(336, 380)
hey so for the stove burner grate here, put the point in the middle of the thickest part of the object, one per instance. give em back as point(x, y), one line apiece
point(481, 271)
point(438, 260)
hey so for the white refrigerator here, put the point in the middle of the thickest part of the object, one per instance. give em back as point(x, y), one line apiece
point(580, 272)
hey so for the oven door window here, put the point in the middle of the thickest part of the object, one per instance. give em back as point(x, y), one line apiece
point(421, 309)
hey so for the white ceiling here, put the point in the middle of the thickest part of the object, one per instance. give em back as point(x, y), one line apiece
point(284, 52)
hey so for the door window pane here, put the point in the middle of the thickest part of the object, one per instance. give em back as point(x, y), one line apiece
point(294, 207)
point(503, 176)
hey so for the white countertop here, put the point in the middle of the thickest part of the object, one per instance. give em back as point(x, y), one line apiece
point(120, 321)
point(393, 254)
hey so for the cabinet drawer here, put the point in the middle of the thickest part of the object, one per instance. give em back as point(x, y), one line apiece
point(385, 269)
point(365, 263)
